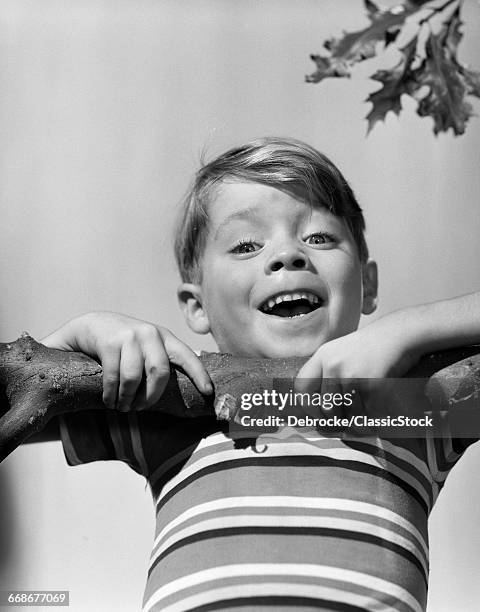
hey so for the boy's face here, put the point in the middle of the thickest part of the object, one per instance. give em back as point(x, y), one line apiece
point(279, 278)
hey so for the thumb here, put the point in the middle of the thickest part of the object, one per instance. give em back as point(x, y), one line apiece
point(309, 378)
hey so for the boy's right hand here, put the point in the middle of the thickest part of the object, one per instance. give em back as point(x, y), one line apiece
point(135, 356)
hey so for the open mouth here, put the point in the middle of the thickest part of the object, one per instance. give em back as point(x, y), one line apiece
point(291, 305)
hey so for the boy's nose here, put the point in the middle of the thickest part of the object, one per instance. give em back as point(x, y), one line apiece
point(292, 259)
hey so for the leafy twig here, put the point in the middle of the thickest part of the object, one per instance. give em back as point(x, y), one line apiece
point(428, 69)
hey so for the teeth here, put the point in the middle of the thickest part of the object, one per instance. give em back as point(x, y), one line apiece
point(288, 297)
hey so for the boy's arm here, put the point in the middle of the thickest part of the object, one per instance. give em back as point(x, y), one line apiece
point(445, 324)
point(393, 344)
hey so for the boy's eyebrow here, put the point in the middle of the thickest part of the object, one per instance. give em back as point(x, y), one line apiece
point(247, 213)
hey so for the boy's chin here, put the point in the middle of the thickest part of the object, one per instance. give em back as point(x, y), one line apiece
point(273, 348)
point(284, 353)
point(267, 345)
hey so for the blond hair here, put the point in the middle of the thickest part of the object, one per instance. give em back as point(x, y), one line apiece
point(279, 162)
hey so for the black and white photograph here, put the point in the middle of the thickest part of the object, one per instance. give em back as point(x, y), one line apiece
point(240, 305)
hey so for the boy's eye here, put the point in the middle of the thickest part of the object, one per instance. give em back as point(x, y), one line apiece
point(245, 246)
point(319, 239)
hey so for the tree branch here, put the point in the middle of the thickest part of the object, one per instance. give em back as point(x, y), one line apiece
point(37, 384)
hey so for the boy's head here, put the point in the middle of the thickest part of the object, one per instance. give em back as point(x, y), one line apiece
point(271, 251)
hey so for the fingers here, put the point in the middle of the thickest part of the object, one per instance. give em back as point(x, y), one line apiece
point(136, 367)
point(123, 363)
point(323, 375)
point(144, 369)
point(182, 355)
point(131, 373)
point(156, 373)
point(110, 360)
point(122, 366)
point(309, 378)
point(161, 348)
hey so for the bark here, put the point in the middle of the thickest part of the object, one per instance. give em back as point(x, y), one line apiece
point(37, 384)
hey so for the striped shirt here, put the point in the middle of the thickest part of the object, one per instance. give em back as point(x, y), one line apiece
point(289, 521)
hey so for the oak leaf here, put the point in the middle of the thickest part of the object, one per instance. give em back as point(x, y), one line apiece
point(355, 47)
point(448, 80)
point(397, 81)
point(428, 69)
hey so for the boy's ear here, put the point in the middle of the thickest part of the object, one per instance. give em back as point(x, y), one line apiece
point(370, 287)
point(190, 300)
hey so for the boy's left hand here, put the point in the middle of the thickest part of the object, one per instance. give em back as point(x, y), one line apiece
point(377, 351)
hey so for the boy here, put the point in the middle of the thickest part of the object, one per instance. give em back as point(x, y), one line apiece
point(274, 263)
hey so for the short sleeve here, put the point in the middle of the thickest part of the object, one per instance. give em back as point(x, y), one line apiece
point(143, 440)
point(102, 435)
point(444, 451)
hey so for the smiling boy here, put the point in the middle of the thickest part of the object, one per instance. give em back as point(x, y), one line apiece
point(274, 263)
point(275, 248)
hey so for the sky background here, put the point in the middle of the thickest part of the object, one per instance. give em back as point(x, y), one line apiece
point(106, 107)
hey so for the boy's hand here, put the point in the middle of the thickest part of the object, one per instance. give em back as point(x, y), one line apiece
point(383, 349)
point(392, 345)
point(135, 357)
